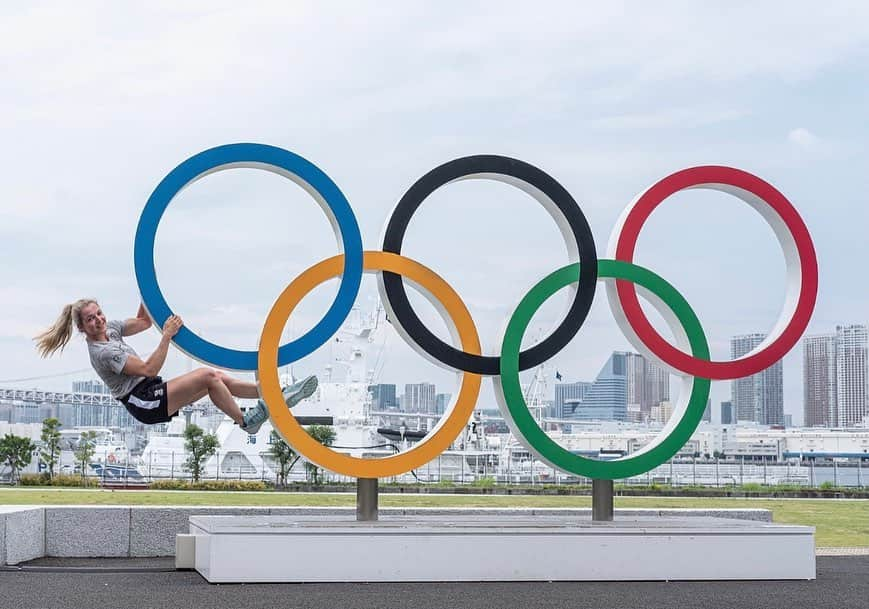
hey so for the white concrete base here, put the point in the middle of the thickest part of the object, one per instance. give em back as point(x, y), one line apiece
point(483, 548)
point(185, 551)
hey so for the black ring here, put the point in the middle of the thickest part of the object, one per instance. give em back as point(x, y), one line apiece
point(396, 295)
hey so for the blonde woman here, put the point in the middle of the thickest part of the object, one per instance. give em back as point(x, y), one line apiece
point(135, 382)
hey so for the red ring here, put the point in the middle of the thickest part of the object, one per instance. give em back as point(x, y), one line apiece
point(627, 294)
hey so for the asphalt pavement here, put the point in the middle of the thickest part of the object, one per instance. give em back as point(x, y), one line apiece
point(843, 582)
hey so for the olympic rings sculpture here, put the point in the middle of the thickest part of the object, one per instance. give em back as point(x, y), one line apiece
point(688, 358)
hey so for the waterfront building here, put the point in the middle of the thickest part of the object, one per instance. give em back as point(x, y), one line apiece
point(419, 397)
point(758, 398)
point(606, 399)
point(819, 380)
point(835, 377)
point(442, 400)
point(648, 384)
point(383, 397)
point(851, 377)
point(567, 397)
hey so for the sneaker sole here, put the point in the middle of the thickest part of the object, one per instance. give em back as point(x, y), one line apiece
point(251, 430)
point(306, 390)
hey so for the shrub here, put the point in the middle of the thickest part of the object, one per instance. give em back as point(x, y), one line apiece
point(58, 480)
point(35, 480)
point(209, 485)
point(484, 482)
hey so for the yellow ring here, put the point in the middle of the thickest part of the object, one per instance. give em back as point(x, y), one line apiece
point(296, 436)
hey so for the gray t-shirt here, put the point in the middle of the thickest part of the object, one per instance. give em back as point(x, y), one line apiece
point(108, 360)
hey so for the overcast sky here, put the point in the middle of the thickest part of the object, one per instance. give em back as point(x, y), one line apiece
point(100, 100)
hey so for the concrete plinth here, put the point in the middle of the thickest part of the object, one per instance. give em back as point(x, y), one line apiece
point(503, 548)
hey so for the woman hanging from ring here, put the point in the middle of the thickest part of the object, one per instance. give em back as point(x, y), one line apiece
point(136, 383)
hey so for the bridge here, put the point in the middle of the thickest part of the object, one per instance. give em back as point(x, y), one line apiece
point(39, 396)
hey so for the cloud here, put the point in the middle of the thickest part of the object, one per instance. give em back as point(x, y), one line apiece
point(803, 138)
point(102, 99)
point(669, 118)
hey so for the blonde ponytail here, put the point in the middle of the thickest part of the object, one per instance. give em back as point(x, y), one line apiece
point(57, 336)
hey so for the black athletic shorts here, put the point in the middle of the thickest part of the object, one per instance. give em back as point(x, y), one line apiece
point(148, 402)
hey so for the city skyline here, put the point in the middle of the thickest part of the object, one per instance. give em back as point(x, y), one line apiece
point(629, 387)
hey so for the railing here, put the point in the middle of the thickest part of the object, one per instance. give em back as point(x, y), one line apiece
point(476, 469)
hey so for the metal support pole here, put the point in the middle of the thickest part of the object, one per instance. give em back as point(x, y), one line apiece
point(602, 500)
point(366, 499)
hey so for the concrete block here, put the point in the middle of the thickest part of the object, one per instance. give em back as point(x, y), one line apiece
point(3, 539)
point(312, 511)
point(448, 548)
point(185, 551)
point(87, 531)
point(757, 515)
point(153, 529)
point(23, 536)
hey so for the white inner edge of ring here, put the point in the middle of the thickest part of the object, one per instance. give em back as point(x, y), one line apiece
point(304, 185)
point(793, 279)
point(551, 208)
point(686, 386)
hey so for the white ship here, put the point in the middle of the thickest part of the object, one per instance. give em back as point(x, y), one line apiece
point(108, 447)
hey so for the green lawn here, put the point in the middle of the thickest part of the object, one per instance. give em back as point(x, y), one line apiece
point(839, 523)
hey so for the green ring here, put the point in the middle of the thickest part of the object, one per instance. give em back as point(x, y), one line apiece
point(518, 414)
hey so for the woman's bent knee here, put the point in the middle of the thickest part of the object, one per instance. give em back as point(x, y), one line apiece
point(210, 376)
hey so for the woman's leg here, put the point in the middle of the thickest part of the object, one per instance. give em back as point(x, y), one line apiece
point(192, 386)
point(240, 389)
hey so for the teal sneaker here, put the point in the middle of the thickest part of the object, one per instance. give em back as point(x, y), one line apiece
point(255, 417)
point(295, 393)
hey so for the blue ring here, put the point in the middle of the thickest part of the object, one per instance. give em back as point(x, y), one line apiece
point(213, 159)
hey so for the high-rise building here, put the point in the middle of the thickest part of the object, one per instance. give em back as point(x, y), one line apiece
point(657, 386)
point(759, 397)
point(635, 383)
point(567, 396)
point(819, 381)
point(90, 387)
point(727, 413)
point(851, 377)
point(442, 400)
point(383, 397)
point(707, 413)
point(648, 384)
point(606, 399)
point(662, 412)
point(419, 397)
point(835, 377)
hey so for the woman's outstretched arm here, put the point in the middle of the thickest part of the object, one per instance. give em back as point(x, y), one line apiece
point(134, 366)
point(139, 323)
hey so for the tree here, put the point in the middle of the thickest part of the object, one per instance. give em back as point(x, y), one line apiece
point(284, 456)
point(16, 452)
point(199, 446)
point(50, 437)
point(325, 435)
point(85, 450)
